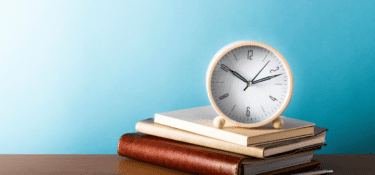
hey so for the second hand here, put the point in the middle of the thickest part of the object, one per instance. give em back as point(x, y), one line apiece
point(251, 82)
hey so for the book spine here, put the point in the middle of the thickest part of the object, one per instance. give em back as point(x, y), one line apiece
point(179, 155)
point(188, 137)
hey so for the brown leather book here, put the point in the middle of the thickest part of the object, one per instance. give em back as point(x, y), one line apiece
point(193, 158)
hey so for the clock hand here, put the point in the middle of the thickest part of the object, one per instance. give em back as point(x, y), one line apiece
point(259, 71)
point(239, 76)
point(265, 78)
point(234, 73)
point(251, 82)
point(248, 85)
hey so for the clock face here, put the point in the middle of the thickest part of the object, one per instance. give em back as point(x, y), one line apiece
point(251, 84)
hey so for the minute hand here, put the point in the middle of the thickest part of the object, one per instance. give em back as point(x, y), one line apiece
point(265, 79)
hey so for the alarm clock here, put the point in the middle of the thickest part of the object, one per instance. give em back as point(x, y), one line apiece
point(249, 84)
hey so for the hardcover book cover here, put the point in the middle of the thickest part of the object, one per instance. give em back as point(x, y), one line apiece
point(202, 160)
point(200, 121)
point(148, 126)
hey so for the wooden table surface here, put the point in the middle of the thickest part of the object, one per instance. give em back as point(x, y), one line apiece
point(21, 164)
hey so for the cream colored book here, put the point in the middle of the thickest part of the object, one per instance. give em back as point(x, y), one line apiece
point(148, 126)
point(199, 120)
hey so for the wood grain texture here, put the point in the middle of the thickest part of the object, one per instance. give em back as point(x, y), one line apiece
point(78, 164)
point(22, 164)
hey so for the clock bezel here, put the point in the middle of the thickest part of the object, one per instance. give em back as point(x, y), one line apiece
point(219, 55)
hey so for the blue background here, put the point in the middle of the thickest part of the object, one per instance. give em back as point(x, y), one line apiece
point(75, 76)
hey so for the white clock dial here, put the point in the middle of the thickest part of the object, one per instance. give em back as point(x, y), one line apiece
point(251, 84)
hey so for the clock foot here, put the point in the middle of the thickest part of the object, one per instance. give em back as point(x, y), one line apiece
point(278, 123)
point(219, 122)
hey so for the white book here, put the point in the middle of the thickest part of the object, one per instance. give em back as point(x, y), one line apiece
point(199, 120)
point(148, 126)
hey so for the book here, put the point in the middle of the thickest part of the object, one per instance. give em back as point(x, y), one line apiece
point(131, 166)
point(203, 160)
point(148, 126)
point(303, 168)
point(199, 120)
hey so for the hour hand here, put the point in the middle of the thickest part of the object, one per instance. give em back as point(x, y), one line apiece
point(265, 79)
point(226, 68)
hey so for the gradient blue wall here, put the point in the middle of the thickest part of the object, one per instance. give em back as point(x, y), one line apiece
point(75, 76)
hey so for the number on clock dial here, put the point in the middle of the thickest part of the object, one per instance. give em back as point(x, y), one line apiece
point(272, 98)
point(248, 111)
point(249, 54)
point(258, 106)
point(224, 96)
point(274, 70)
point(225, 68)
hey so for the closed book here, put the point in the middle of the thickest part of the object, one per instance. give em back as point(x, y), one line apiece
point(203, 160)
point(131, 166)
point(148, 126)
point(200, 121)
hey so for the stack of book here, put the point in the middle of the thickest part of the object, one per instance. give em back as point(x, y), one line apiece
point(187, 140)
